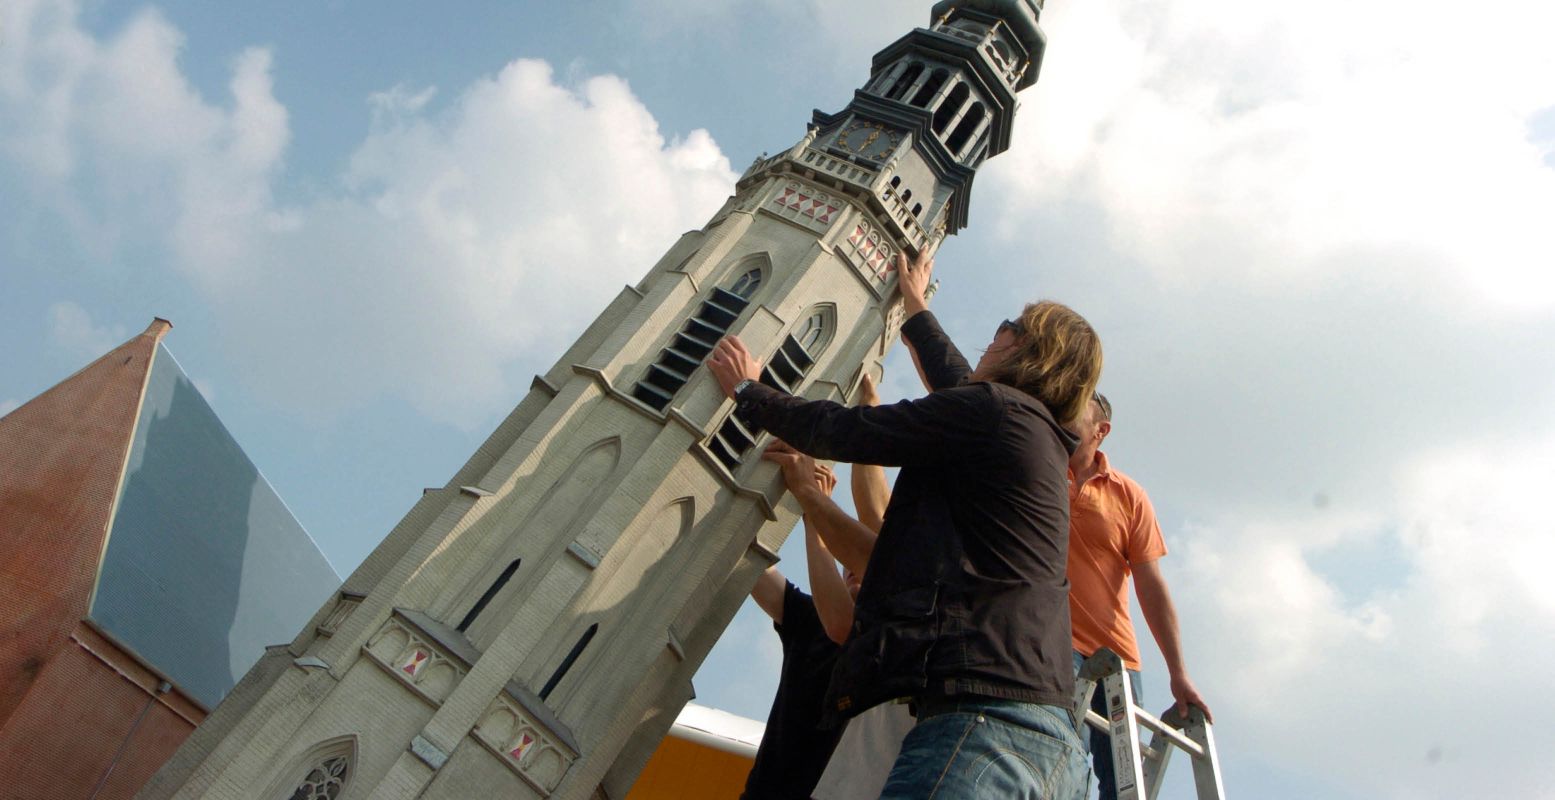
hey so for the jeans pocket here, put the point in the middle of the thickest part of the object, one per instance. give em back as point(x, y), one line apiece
point(1018, 760)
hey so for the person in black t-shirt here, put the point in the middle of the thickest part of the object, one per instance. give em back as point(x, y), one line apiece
point(794, 749)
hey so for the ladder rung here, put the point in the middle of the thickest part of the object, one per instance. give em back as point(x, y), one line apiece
point(1173, 735)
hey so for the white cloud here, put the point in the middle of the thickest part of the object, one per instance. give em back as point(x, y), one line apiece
point(72, 330)
point(1264, 144)
point(1404, 691)
point(118, 143)
point(458, 244)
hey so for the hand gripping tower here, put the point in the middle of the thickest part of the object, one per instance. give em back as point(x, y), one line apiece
point(530, 630)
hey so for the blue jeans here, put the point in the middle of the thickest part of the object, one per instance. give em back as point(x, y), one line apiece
point(1099, 743)
point(980, 747)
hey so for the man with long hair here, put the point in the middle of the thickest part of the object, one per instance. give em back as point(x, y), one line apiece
point(964, 606)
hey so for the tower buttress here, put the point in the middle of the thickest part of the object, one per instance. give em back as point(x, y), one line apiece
point(531, 628)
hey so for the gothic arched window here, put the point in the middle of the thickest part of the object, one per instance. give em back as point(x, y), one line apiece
point(811, 331)
point(329, 768)
point(326, 781)
point(785, 370)
point(746, 284)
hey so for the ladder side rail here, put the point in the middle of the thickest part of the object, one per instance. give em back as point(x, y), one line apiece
point(1084, 690)
point(1127, 766)
point(1206, 770)
point(1155, 767)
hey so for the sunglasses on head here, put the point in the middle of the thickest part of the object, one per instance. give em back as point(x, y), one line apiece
point(1012, 326)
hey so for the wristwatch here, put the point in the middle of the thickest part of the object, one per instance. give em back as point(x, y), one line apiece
point(740, 387)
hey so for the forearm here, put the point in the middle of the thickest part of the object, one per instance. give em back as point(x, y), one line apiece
point(871, 494)
point(944, 426)
point(917, 364)
point(833, 604)
point(939, 362)
point(844, 537)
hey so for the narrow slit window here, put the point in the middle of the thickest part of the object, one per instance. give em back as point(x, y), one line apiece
point(486, 598)
point(572, 658)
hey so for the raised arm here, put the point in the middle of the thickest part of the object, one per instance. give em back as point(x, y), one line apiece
point(845, 538)
point(833, 603)
point(939, 363)
point(871, 492)
point(768, 593)
point(954, 424)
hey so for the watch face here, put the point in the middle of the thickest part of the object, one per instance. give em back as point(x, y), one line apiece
point(868, 139)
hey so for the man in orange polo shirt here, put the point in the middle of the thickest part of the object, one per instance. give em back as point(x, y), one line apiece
point(1113, 532)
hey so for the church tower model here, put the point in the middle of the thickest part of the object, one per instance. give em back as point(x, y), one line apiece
point(531, 629)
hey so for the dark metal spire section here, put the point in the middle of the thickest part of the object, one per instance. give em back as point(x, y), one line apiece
point(939, 102)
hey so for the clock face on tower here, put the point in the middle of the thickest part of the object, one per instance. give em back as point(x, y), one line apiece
point(870, 140)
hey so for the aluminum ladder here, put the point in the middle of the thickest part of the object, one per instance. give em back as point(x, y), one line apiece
point(1140, 767)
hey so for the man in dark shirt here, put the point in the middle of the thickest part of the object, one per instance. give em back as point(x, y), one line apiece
point(795, 748)
point(964, 605)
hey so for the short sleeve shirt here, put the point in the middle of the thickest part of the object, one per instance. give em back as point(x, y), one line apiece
point(794, 749)
point(1112, 526)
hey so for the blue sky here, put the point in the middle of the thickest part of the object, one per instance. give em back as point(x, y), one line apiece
point(1316, 245)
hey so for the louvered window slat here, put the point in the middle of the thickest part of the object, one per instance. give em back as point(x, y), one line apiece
point(718, 316)
point(652, 395)
point(771, 379)
point(680, 362)
point(693, 343)
point(730, 300)
point(705, 331)
point(784, 371)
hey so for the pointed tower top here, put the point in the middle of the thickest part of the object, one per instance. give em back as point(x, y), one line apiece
point(158, 328)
